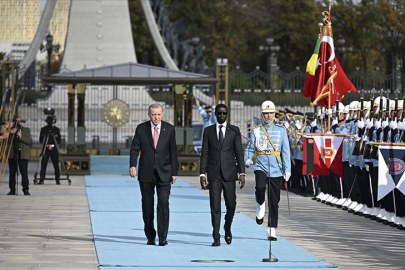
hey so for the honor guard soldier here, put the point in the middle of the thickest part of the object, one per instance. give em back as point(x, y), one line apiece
point(269, 142)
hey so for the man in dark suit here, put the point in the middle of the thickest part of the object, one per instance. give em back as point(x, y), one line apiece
point(222, 160)
point(158, 167)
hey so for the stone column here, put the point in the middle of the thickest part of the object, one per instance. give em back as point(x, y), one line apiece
point(81, 128)
point(71, 119)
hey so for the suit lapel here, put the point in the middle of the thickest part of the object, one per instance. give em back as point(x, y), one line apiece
point(215, 135)
point(162, 135)
point(149, 133)
point(226, 134)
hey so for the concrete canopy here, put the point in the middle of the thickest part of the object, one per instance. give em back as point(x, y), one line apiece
point(129, 74)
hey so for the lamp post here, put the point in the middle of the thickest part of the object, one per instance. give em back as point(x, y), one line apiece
point(49, 47)
point(271, 56)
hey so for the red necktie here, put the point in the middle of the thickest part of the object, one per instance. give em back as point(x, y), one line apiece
point(156, 137)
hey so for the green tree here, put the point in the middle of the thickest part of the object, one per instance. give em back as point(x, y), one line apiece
point(145, 50)
point(358, 24)
point(294, 26)
point(392, 31)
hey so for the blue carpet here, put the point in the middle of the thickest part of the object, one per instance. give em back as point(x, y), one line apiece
point(116, 216)
point(107, 165)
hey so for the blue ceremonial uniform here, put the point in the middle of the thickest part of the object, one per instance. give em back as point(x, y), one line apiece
point(271, 164)
point(208, 121)
point(259, 142)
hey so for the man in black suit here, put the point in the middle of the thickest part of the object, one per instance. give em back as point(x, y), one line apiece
point(222, 159)
point(158, 167)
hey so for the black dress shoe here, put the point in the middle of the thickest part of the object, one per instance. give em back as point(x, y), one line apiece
point(163, 243)
point(57, 182)
point(40, 182)
point(12, 192)
point(259, 221)
point(228, 237)
point(271, 238)
point(151, 243)
point(216, 243)
point(26, 192)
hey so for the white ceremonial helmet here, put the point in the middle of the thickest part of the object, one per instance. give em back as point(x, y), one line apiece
point(341, 108)
point(366, 106)
point(377, 102)
point(268, 106)
point(392, 105)
point(400, 104)
point(354, 105)
point(346, 109)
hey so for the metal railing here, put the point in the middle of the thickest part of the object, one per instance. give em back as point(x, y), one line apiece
point(246, 93)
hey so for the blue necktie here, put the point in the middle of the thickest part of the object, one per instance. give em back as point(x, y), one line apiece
point(221, 136)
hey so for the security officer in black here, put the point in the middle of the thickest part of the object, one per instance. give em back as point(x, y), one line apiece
point(50, 139)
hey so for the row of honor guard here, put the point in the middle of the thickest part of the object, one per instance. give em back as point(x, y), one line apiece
point(377, 120)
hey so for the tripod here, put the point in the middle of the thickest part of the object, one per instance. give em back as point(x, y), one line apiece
point(44, 149)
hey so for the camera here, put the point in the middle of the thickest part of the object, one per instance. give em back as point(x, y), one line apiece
point(49, 111)
point(51, 118)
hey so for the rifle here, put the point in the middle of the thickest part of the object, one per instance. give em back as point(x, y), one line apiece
point(366, 132)
point(356, 150)
point(380, 114)
point(394, 132)
point(402, 136)
point(387, 116)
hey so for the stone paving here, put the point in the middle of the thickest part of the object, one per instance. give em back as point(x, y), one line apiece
point(51, 229)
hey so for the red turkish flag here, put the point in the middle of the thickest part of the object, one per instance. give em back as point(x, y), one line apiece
point(329, 78)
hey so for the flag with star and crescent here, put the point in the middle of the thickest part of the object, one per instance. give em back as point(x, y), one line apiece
point(329, 79)
point(391, 168)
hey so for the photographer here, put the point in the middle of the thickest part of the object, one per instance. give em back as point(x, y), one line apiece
point(20, 141)
point(50, 139)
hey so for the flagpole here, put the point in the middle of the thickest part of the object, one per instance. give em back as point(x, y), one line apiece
point(329, 97)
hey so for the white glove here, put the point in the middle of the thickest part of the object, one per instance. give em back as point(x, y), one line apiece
point(369, 123)
point(393, 124)
point(322, 116)
point(286, 124)
point(298, 125)
point(360, 124)
point(313, 123)
point(400, 125)
point(357, 138)
point(385, 123)
point(403, 124)
point(328, 112)
point(287, 176)
point(248, 163)
point(334, 122)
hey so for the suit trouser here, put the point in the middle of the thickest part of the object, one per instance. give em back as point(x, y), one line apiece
point(23, 166)
point(275, 184)
point(55, 161)
point(216, 187)
point(148, 194)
